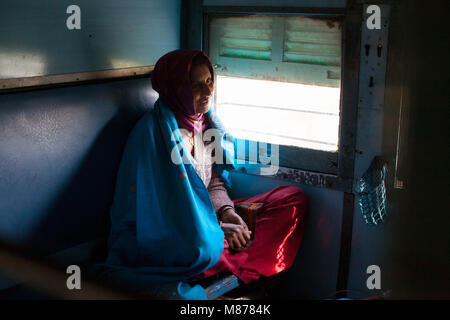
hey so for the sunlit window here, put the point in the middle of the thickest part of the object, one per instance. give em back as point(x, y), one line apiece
point(283, 113)
point(279, 82)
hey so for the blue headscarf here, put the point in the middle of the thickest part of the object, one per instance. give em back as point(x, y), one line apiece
point(164, 229)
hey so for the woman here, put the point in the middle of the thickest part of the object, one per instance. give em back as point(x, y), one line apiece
point(171, 219)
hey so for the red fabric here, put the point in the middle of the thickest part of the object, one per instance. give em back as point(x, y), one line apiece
point(280, 227)
point(171, 79)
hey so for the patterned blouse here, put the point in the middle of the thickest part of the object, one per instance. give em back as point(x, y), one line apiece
point(203, 164)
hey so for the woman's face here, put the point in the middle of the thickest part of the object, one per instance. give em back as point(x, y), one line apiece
point(202, 87)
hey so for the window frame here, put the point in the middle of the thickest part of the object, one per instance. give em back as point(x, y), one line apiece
point(333, 170)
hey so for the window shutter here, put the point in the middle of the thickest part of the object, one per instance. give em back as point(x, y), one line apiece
point(246, 38)
point(295, 49)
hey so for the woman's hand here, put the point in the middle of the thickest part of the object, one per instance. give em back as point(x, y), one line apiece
point(235, 229)
point(230, 216)
point(237, 237)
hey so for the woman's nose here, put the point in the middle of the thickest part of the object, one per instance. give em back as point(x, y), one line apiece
point(207, 90)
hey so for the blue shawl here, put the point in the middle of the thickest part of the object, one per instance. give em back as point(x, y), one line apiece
point(164, 229)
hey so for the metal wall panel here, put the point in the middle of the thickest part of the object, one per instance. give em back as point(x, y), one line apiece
point(369, 243)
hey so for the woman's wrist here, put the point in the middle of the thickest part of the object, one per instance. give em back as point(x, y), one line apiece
point(222, 210)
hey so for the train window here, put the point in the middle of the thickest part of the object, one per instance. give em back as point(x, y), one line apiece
point(281, 113)
point(278, 81)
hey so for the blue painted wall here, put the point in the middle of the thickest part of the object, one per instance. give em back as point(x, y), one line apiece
point(59, 153)
point(35, 41)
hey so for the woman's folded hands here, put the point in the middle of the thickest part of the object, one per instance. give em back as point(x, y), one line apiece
point(235, 230)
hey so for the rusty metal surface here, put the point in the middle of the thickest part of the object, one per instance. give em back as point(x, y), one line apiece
point(303, 177)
